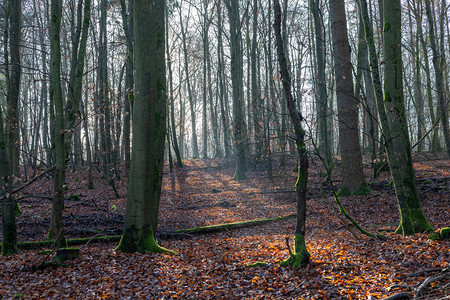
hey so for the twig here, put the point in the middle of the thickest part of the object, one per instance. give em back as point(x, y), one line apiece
point(19, 188)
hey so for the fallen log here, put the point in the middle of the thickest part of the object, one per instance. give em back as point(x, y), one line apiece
point(229, 226)
point(163, 235)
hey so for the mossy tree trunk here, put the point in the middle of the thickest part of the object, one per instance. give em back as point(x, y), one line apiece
point(391, 110)
point(352, 169)
point(301, 255)
point(56, 232)
point(149, 129)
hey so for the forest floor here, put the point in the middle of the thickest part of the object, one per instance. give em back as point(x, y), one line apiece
point(344, 263)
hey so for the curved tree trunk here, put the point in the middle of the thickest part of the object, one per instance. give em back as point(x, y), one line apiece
point(301, 256)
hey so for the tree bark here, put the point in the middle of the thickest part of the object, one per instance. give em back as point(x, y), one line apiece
point(171, 98)
point(301, 256)
point(320, 83)
point(128, 27)
point(439, 63)
point(14, 77)
point(237, 84)
point(8, 207)
point(56, 232)
point(352, 174)
point(149, 129)
point(221, 75)
point(195, 153)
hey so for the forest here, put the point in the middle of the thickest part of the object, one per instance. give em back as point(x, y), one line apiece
point(226, 149)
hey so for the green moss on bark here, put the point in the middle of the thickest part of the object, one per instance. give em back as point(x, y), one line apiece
point(445, 233)
point(302, 178)
point(300, 257)
point(345, 192)
point(413, 222)
point(258, 264)
point(143, 241)
point(363, 191)
point(434, 236)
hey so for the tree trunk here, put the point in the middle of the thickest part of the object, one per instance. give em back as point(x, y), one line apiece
point(79, 43)
point(149, 129)
point(439, 64)
point(320, 83)
point(56, 232)
point(171, 98)
point(370, 104)
point(8, 206)
point(415, 43)
point(301, 256)
point(13, 126)
point(352, 174)
point(195, 153)
point(391, 110)
point(128, 27)
point(222, 86)
point(237, 84)
point(256, 95)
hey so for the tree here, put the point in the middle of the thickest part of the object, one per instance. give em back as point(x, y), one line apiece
point(323, 115)
point(8, 149)
point(238, 88)
point(352, 174)
point(221, 75)
point(171, 97)
point(128, 27)
point(14, 77)
point(56, 232)
point(301, 256)
point(195, 153)
point(412, 218)
point(439, 64)
point(256, 95)
point(79, 43)
point(149, 129)
point(391, 110)
point(8, 206)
